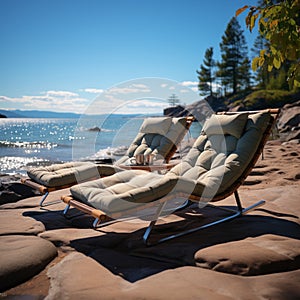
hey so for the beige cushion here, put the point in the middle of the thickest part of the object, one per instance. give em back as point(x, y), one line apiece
point(226, 124)
point(217, 161)
point(155, 143)
point(123, 191)
point(58, 175)
point(64, 174)
point(156, 125)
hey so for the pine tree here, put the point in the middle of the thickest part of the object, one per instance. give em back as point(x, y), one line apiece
point(173, 100)
point(244, 74)
point(205, 74)
point(232, 69)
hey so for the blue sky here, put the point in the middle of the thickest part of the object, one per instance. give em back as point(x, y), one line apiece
point(59, 54)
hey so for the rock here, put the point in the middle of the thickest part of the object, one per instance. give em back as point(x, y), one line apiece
point(79, 277)
point(289, 122)
point(253, 256)
point(22, 257)
point(12, 190)
point(174, 110)
point(13, 222)
point(95, 129)
point(199, 109)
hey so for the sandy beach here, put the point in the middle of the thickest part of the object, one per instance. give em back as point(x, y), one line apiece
point(46, 256)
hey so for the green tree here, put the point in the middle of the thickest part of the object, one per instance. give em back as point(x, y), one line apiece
point(173, 100)
point(262, 76)
point(275, 79)
point(244, 74)
point(234, 50)
point(279, 24)
point(205, 74)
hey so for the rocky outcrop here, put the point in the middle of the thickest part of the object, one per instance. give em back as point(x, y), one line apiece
point(22, 258)
point(11, 190)
point(289, 122)
point(95, 129)
point(174, 111)
point(199, 109)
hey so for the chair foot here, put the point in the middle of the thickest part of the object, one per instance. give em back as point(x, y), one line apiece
point(42, 204)
point(66, 210)
point(253, 206)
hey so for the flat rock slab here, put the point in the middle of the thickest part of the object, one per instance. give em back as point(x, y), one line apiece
point(253, 256)
point(80, 277)
point(13, 222)
point(35, 201)
point(22, 257)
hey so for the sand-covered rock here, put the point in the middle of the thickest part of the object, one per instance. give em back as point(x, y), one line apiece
point(266, 254)
point(289, 117)
point(11, 189)
point(278, 165)
point(77, 271)
point(13, 222)
point(22, 257)
point(289, 122)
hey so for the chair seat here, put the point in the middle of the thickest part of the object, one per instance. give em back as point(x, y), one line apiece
point(62, 174)
point(124, 191)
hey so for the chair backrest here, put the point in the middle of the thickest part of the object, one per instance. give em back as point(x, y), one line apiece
point(225, 152)
point(159, 136)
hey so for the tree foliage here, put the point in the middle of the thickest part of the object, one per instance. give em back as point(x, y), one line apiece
point(205, 74)
point(279, 24)
point(234, 68)
point(262, 75)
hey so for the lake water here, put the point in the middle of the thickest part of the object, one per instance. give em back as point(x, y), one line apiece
point(25, 143)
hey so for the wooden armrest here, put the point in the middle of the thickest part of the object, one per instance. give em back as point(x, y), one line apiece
point(41, 188)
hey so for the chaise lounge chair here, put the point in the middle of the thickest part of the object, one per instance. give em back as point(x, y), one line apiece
point(158, 136)
point(215, 167)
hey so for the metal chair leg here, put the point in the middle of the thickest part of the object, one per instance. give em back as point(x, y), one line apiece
point(42, 204)
point(240, 211)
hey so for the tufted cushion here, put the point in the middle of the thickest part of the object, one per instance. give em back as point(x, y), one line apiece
point(156, 125)
point(123, 191)
point(217, 161)
point(63, 174)
point(58, 175)
point(226, 124)
point(154, 143)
